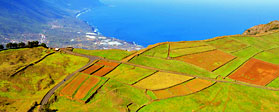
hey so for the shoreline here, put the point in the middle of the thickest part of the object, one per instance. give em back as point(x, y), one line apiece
point(106, 42)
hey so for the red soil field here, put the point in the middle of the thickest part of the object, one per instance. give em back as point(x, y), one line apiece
point(208, 60)
point(180, 90)
point(102, 72)
point(70, 88)
point(256, 72)
point(87, 85)
point(198, 84)
point(106, 63)
point(92, 69)
point(162, 94)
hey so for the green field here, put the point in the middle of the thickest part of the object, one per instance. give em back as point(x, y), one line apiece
point(258, 42)
point(271, 56)
point(29, 86)
point(114, 54)
point(220, 97)
point(191, 50)
point(112, 97)
point(13, 59)
point(274, 83)
point(159, 51)
point(186, 44)
point(242, 56)
point(172, 65)
point(129, 74)
point(227, 44)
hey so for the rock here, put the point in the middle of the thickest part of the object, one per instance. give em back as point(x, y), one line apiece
point(263, 28)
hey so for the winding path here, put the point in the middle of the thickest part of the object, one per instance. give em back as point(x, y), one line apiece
point(125, 61)
point(52, 91)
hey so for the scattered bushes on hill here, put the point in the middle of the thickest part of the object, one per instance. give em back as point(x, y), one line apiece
point(23, 45)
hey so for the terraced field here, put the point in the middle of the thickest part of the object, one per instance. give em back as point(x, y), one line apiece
point(232, 73)
point(186, 88)
point(82, 87)
point(256, 72)
point(161, 80)
point(210, 60)
point(129, 74)
point(227, 44)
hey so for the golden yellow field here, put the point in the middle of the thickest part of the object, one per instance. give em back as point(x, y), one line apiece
point(161, 80)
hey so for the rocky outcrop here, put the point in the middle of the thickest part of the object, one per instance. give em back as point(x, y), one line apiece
point(263, 28)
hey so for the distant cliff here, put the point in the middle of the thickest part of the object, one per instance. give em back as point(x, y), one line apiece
point(263, 28)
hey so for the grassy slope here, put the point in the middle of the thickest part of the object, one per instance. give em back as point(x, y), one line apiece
point(159, 51)
point(114, 54)
point(112, 97)
point(271, 56)
point(220, 97)
point(242, 56)
point(13, 59)
point(172, 65)
point(32, 84)
point(129, 74)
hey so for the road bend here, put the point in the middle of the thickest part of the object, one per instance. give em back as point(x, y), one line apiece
point(52, 90)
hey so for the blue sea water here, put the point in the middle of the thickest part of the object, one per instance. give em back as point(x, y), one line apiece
point(148, 22)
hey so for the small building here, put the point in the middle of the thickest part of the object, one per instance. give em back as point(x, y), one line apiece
point(57, 49)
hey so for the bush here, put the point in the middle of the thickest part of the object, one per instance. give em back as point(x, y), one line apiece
point(1, 47)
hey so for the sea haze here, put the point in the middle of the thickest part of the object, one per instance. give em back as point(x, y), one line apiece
point(151, 21)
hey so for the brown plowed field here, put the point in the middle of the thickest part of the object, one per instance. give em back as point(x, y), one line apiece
point(106, 63)
point(162, 94)
point(208, 60)
point(256, 72)
point(70, 88)
point(179, 90)
point(86, 86)
point(92, 69)
point(198, 84)
point(102, 72)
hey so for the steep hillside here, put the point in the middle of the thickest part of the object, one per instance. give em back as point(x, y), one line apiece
point(263, 28)
point(219, 74)
point(23, 90)
point(229, 73)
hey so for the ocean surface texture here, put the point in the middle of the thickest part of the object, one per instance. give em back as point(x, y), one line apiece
point(148, 22)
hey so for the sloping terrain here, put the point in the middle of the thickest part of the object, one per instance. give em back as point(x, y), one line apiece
point(162, 77)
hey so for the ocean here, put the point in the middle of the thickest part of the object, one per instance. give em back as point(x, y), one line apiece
point(147, 22)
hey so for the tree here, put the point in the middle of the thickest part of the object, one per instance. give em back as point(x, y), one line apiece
point(1, 46)
point(9, 45)
point(35, 43)
point(30, 44)
point(43, 45)
point(14, 45)
point(21, 45)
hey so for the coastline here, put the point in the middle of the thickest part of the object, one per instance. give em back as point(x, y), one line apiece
point(106, 42)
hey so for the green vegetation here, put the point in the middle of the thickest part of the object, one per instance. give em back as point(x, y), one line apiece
point(262, 43)
point(227, 44)
point(172, 65)
point(13, 59)
point(129, 74)
point(114, 54)
point(186, 44)
point(274, 83)
point(29, 86)
point(271, 56)
point(93, 90)
point(112, 97)
point(151, 94)
point(220, 97)
point(191, 50)
point(242, 56)
point(159, 51)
